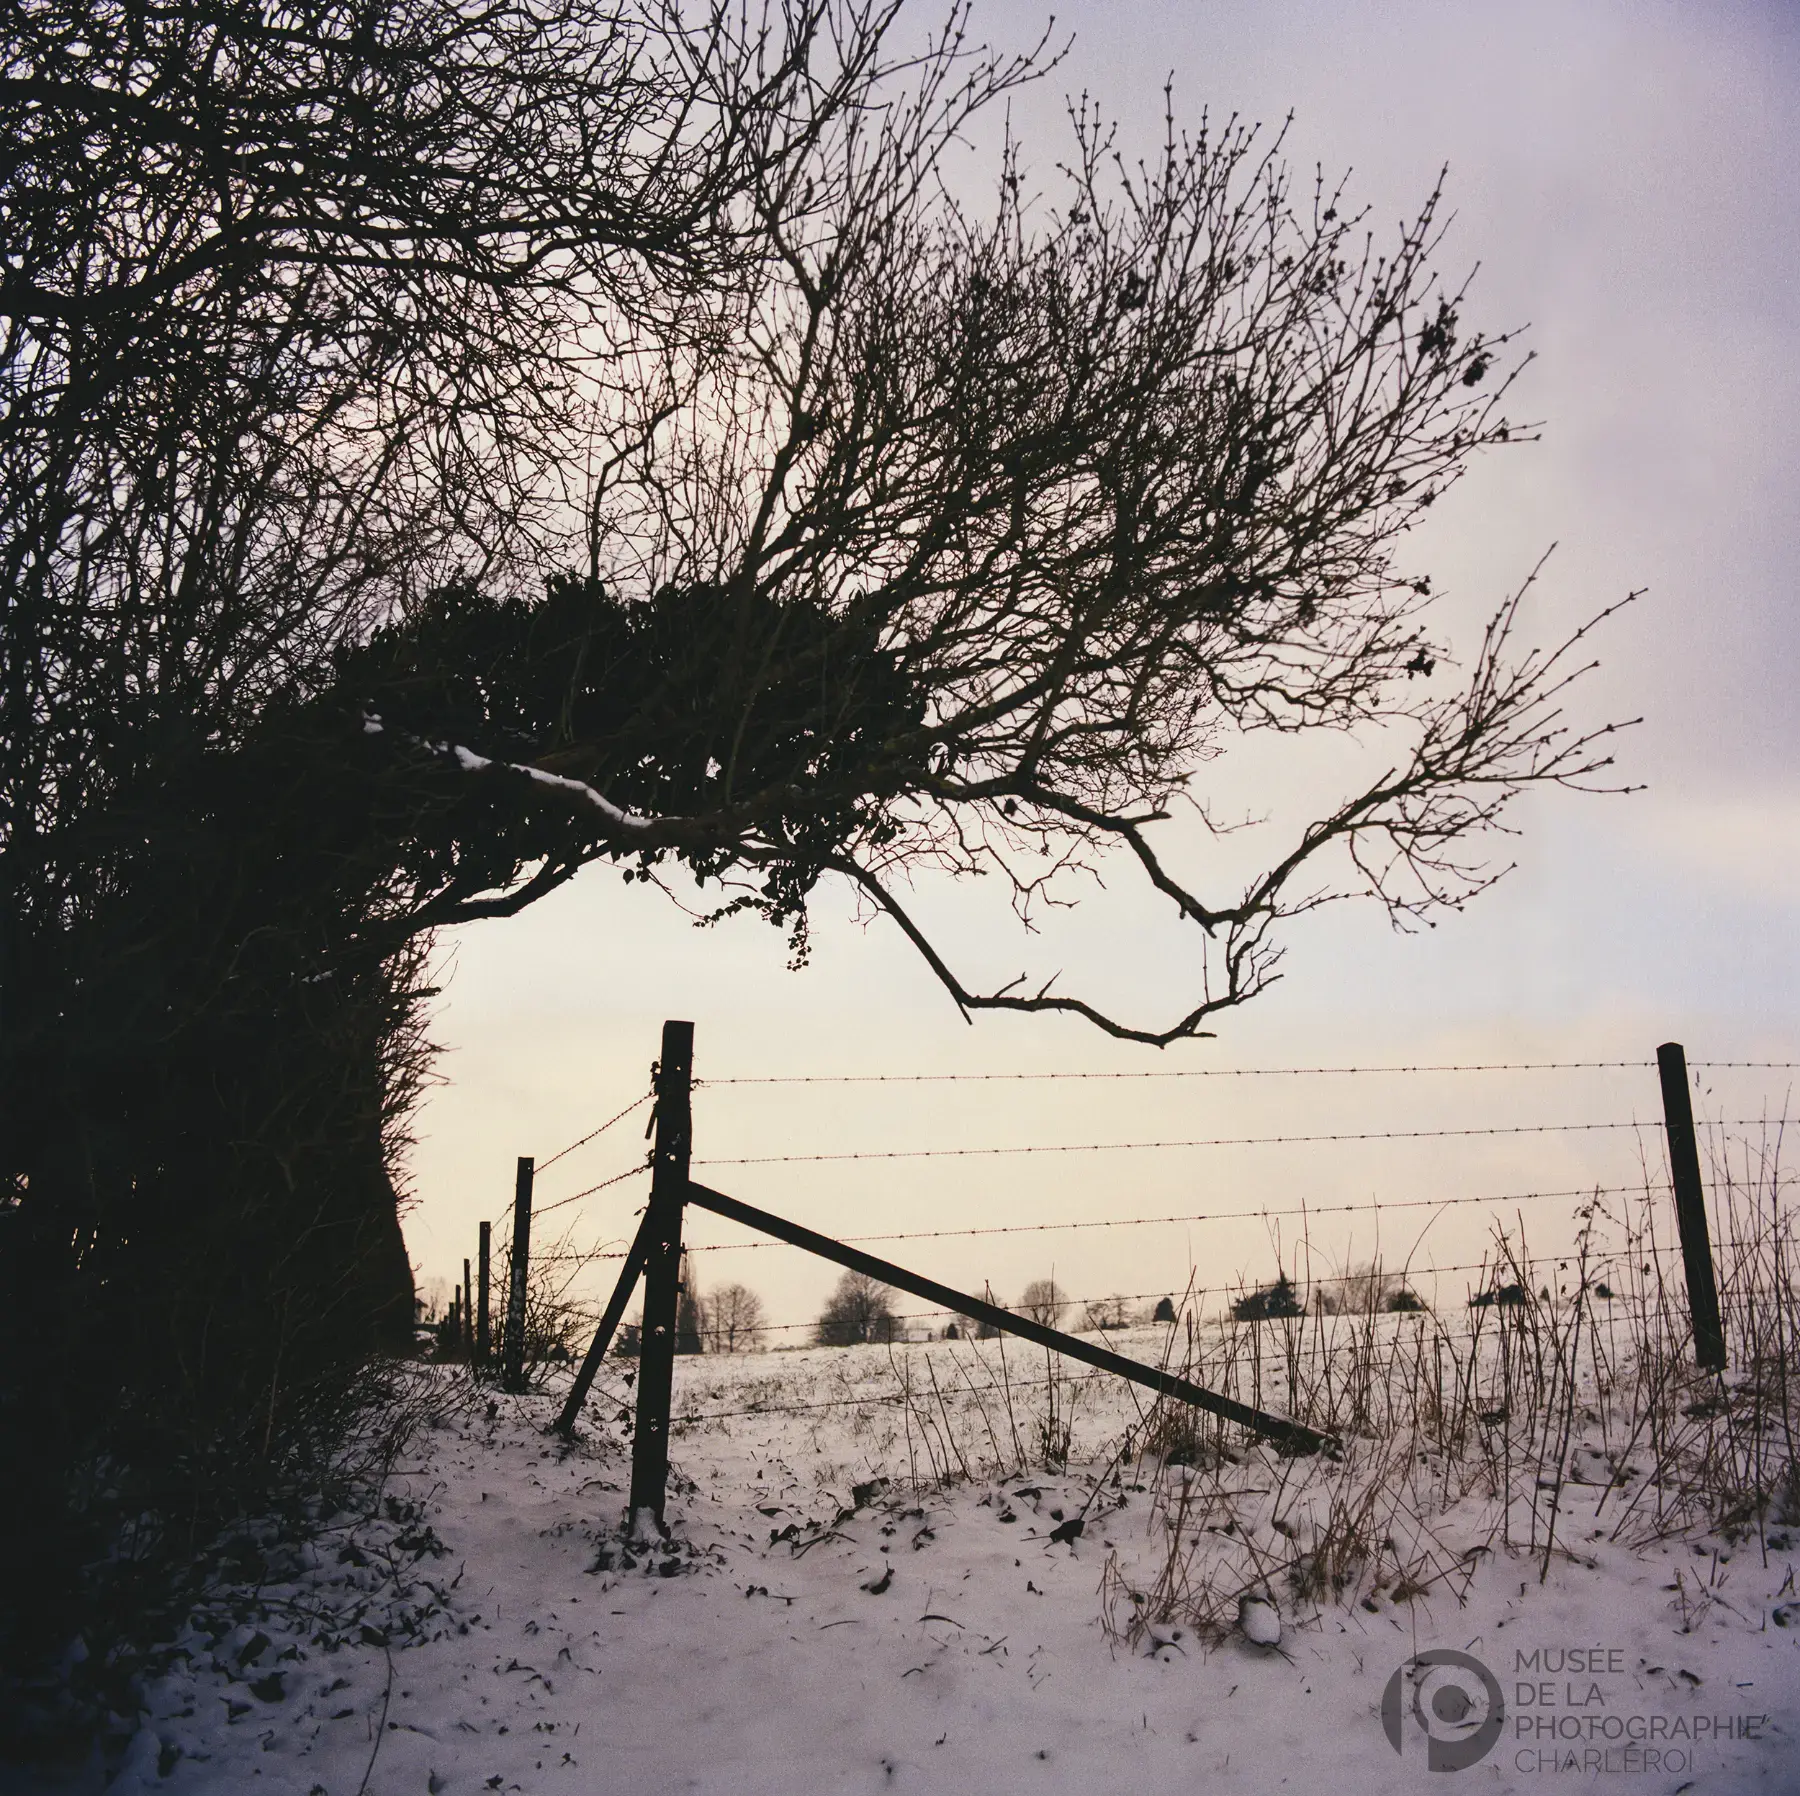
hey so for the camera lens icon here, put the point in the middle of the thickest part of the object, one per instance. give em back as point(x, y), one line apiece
point(1455, 1702)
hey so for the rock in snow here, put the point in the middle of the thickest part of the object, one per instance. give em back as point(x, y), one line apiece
point(1258, 1621)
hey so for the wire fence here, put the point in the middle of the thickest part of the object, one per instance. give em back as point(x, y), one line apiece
point(565, 1261)
point(1372, 1205)
point(1240, 1072)
point(1125, 1147)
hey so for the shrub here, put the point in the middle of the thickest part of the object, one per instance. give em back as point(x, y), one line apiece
point(1504, 1296)
point(1269, 1302)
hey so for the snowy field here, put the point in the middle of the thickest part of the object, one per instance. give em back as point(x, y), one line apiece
point(833, 1615)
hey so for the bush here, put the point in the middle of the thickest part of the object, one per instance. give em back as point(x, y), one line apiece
point(1268, 1303)
point(1501, 1296)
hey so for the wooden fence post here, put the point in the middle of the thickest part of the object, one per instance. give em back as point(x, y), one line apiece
point(1690, 1208)
point(481, 1311)
point(513, 1368)
point(662, 1277)
point(468, 1317)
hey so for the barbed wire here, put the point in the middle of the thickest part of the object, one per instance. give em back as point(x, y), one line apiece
point(538, 1210)
point(617, 1179)
point(1040, 1228)
point(1265, 1212)
point(1246, 1072)
point(1110, 1147)
point(593, 1134)
point(1036, 1228)
point(1111, 1222)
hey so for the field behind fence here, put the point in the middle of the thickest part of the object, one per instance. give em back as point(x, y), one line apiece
point(1317, 1174)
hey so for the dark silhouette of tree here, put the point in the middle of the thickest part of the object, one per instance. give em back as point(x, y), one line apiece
point(1043, 1302)
point(303, 315)
point(858, 1311)
point(983, 540)
point(1268, 1303)
point(1505, 1296)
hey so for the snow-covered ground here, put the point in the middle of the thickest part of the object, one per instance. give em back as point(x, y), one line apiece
point(822, 1623)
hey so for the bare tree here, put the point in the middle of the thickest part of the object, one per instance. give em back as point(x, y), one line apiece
point(735, 1320)
point(859, 1310)
point(983, 539)
point(1044, 1301)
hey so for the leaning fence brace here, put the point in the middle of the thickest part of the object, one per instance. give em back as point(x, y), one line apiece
point(1285, 1432)
point(656, 1253)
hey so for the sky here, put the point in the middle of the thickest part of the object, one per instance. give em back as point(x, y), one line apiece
point(1627, 179)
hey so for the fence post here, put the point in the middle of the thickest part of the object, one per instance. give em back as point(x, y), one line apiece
point(468, 1317)
point(662, 1276)
point(1690, 1208)
point(481, 1312)
point(513, 1368)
